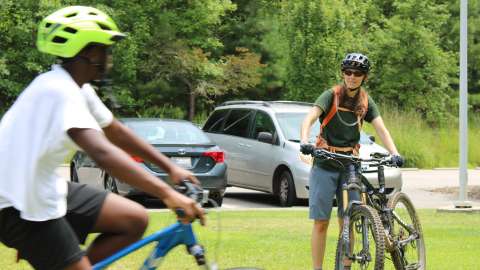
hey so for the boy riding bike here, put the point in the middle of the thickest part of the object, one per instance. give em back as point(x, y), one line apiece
point(42, 216)
point(341, 112)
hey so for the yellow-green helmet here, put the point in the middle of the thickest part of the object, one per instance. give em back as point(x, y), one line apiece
point(67, 31)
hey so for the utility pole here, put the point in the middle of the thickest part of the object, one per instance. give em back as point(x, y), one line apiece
point(463, 110)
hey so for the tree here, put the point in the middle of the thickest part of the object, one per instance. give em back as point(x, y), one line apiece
point(19, 61)
point(319, 35)
point(410, 66)
point(401, 39)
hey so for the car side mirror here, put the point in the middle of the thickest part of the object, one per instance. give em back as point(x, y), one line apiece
point(265, 137)
point(372, 138)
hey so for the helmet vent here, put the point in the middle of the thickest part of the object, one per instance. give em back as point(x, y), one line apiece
point(58, 39)
point(116, 38)
point(92, 13)
point(104, 27)
point(47, 25)
point(70, 30)
point(71, 15)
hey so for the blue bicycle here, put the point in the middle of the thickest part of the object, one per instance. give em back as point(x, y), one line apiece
point(168, 238)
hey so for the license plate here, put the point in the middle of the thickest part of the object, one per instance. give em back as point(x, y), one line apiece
point(184, 162)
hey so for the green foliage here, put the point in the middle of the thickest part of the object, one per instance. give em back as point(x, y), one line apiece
point(410, 66)
point(474, 102)
point(18, 61)
point(427, 147)
point(314, 32)
point(165, 59)
point(402, 39)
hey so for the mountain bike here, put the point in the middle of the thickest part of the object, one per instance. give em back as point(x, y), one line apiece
point(393, 222)
point(170, 237)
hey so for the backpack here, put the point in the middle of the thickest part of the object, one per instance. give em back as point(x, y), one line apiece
point(361, 110)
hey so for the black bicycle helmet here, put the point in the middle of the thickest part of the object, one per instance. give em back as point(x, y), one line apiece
point(356, 61)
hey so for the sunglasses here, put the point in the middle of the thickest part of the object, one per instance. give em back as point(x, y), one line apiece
point(355, 73)
point(99, 66)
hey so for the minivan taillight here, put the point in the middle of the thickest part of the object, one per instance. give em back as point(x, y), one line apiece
point(218, 156)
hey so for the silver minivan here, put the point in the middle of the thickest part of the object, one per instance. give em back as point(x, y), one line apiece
point(262, 144)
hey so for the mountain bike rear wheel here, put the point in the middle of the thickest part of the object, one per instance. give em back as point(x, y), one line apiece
point(411, 255)
point(369, 256)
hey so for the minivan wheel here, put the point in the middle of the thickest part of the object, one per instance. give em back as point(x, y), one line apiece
point(286, 190)
point(110, 184)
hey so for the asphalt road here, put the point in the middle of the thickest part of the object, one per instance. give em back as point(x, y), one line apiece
point(416, 183)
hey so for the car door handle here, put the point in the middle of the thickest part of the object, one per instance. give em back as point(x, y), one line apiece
point(241, 144)
point(248, 145)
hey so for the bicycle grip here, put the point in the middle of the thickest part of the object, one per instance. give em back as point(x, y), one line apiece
point(180, 212)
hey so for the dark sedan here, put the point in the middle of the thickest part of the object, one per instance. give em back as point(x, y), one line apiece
point(183, 142)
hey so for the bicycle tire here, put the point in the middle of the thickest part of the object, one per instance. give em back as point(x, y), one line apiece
point(377, 231)
point(398, 259)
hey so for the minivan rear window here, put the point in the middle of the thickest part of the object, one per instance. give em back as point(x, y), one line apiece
point(237, 123)
point(215, 121)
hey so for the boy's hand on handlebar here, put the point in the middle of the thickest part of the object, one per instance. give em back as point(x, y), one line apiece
point(306, 148)
point(191, 209)
point(397, 160)
point(178, 174)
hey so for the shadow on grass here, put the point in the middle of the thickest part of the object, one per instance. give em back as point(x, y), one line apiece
point(259, 199)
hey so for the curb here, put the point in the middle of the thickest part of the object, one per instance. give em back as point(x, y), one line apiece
point(409, 169)
point(453, 209)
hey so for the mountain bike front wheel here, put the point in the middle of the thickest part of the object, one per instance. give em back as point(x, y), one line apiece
point(406, 233)
point(366, 249)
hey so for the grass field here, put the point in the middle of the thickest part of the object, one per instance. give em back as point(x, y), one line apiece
point(280, 240)
point(424, 146)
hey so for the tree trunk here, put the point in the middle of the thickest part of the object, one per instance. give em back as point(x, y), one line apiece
point(191, 105)
point(191, 98)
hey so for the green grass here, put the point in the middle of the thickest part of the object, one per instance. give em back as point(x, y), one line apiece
point(281, 240)
point(427, 147)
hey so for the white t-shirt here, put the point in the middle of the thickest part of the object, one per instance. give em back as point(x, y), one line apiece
point(34, 142)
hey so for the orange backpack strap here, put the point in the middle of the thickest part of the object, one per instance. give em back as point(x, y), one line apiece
point(321, 142)
point(334, 107)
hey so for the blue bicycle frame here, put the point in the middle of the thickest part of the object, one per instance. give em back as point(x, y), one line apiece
point(166, 239)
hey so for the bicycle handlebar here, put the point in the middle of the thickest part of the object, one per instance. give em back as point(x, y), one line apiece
point(190, 190)
point(377, 158)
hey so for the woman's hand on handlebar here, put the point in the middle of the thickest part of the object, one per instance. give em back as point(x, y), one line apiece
point(397, 160)
point(190, 208)
point(307, 148)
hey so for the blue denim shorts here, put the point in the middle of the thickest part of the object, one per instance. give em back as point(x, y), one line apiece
point(323, 186)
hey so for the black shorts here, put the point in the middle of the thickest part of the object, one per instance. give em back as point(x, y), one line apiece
point(54, 244)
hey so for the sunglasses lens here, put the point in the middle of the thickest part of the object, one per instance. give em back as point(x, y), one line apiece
point(355, 73)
